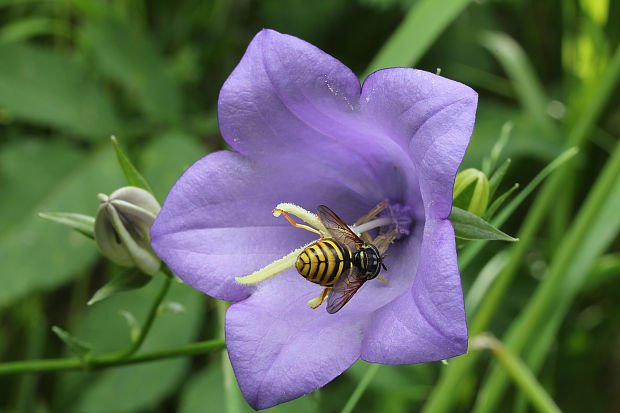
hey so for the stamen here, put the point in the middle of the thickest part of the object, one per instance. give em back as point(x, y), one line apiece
point(306, 216)
point(272, 269)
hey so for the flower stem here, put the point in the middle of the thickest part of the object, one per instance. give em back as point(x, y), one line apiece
point(150, 317)
point(361, 388)
point(111, 359)
point(231, 390)
point(122, 357)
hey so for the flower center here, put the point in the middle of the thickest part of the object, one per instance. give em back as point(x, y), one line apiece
point(342, 251)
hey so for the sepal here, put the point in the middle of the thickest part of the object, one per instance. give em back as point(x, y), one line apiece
point(471, 227)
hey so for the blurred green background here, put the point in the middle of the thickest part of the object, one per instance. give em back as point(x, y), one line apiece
point(74, 72)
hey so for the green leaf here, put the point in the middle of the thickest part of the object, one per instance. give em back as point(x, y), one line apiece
point(497, 177)
point(426, 20)
point(79, 347)
point(48, 163)
point(28, 27)
point(132, 175)
point(126, 280)
point(468, 254)
point(132, 323)
point(84, 224)
point(140, 387)
point(51, 89)
point(38, 255)
point(167, 157)
point(518, 67)
point(489, 162)
point(498, 202)
point(471, 227)
point(131, 58)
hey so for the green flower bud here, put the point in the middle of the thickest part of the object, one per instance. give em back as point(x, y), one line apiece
point(471, 191)
point(122, 228)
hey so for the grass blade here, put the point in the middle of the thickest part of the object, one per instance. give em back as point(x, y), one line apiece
point(426, 20)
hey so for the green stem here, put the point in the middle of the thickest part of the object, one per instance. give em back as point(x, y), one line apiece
point(232, 393)
point(361, 388)
point(519, 372)
point(150, 317)
point(109, 360)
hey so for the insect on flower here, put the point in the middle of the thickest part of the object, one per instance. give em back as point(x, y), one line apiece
point(341, 264)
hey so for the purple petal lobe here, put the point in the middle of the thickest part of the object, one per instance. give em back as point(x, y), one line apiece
point(216, 224)
point(281, 349)
point(283, 92)
point(426, 323)
point(432, 118)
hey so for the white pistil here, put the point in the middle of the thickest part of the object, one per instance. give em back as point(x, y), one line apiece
point(375, 223)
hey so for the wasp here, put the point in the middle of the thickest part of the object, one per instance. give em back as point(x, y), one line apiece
point(342, 263)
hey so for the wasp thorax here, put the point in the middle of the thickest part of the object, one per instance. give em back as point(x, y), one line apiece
point(369, 261)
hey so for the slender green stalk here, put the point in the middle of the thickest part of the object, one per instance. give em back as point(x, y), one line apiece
point(150, 317)
point(426, 20)
point(472, 250)
point(109, 360)
point(232, 393)
point(441, 398)
point(361, 388)
point(594, 228)
point(519, 372)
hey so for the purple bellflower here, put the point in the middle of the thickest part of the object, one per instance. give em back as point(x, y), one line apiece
point(303, 131)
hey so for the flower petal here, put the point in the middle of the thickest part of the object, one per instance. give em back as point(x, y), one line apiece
point(287, 97)
point(432, 118)
point(280, 349)
point(284, 90)
point(426, 323)
point(217, 222)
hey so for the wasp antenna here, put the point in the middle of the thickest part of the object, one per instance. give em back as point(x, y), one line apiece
point(384, 267)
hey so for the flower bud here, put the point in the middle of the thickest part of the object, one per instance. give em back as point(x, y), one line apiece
point(471, 191)
point(122, 228)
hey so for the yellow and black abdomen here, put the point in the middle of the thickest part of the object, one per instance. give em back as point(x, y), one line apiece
point(324, 261)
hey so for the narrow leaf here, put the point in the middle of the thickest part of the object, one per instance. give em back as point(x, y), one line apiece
point(133, 177)
point(79, 222)
point(172, 307)
point(519, 372)
point(472, 227)
point(426, 20)
point(54, 90)
point(132, 323)
point(499, 201)
point(127, 280)
point(497, 177)
point(79, 347)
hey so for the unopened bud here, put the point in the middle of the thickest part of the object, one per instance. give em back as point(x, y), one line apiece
point(471, 191)
point(122, 228)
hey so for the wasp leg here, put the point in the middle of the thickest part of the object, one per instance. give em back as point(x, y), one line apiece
point(295, 224)
point(317, 301)
point(380, 278)
point(372, 213)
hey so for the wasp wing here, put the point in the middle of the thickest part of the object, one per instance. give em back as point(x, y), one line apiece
point(344, 289)
point(338, 229)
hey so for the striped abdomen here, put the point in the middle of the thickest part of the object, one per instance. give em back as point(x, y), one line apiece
point(324, 261)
